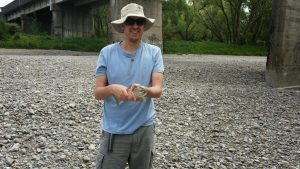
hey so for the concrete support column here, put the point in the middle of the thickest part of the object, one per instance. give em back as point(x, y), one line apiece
point(283, 62)
point(57, 20)
point(87, 23)
point(26, 23)
point(77, 21)
point(2, 17)
point(152, 9)
point(68, 21)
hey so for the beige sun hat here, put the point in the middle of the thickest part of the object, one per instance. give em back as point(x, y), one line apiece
point(132, 9)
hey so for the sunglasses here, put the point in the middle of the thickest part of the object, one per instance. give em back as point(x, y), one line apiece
point(139, 22)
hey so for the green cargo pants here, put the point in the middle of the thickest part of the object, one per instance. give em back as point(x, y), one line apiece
point(116, 150)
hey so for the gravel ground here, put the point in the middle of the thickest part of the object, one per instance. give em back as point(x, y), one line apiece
point(216, 112)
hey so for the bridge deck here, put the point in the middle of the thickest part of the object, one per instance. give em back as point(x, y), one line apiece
point(15, 5)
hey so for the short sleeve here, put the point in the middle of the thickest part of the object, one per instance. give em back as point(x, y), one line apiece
point(101, 65)
point(158, 65)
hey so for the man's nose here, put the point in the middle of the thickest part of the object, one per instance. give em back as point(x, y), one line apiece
point(135, 24)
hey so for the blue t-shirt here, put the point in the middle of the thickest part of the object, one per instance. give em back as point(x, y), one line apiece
point(123, 68)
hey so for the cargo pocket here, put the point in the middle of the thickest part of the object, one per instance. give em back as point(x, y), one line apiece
point(99, 161)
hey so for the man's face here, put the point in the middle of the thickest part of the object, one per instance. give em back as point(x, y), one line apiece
point(133, 28)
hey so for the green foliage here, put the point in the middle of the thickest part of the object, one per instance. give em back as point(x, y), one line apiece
point(13, 28)
point(3, 30)
point(51, 42)
point(101, 19)
point(189, 47)
point(180, 22)
point(96, 44)
point(36, 26)
point(8, 29)
point(229, 21)
point(257, 22)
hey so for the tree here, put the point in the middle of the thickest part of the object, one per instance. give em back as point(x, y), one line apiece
point(8, 30)
point(221, 17)
point(234, 21)
point(257, 22)
point(101, 19)
point(179, 21)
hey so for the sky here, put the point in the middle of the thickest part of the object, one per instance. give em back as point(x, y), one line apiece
point(4, 2)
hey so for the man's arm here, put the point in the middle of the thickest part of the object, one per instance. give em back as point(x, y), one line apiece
point(157, 85)
point(102, 90)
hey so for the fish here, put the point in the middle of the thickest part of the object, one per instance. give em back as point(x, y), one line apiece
point(139, 92)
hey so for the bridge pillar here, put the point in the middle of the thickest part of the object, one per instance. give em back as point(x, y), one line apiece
point(283, 61)
point(2, 17)
point(57, 20)
point(72, 21)
point(26, 23)
point(152, 9)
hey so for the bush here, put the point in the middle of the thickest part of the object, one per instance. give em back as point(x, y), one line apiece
point(8, 29)
point(16, 36)
point(13, 28)
point(53, 42)
point(3, 31)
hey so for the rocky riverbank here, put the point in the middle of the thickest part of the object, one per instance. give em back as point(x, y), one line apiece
point(215, 112)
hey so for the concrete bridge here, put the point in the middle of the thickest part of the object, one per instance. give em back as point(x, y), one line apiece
point(76, 18)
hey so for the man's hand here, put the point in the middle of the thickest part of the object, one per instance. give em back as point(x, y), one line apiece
point(121, 93)
point(137, 91)
point(134, 92)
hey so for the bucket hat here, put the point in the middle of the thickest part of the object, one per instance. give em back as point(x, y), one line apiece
point(132, 9)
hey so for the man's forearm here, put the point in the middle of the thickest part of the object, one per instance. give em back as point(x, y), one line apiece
point(101, 93)
point(154, 91)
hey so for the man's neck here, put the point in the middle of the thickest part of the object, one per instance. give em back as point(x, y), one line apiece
point(130, 46)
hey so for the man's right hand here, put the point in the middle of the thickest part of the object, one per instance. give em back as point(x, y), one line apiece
point(121, 92)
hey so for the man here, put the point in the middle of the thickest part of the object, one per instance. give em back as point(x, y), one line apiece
point(128, 119)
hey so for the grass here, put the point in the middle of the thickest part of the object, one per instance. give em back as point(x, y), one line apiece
point(188, 47)
point(52, 42)
point(95, 45)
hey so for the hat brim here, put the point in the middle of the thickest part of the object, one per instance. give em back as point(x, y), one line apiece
point(117, 24)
